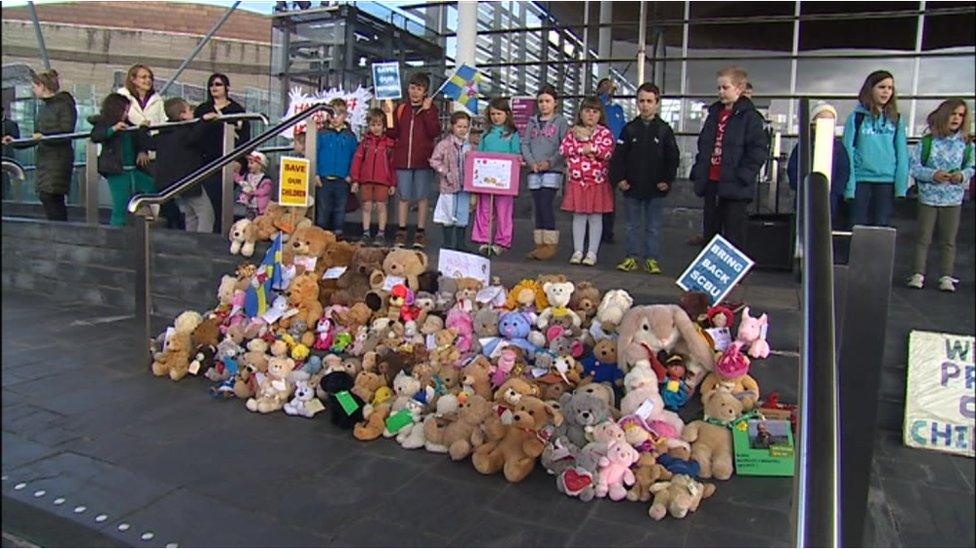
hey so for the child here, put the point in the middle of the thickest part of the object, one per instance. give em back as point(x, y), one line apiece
point(942, 164)
point(644, 165)
point(255, 186)
point(373, 174)
point(840, 168)
point(179, 153)
point(121, 151)
point(587, 149)
point(875, 138)
point(448, 160)
point(336, 145)
point(414, 126)
point(543, 134)
point(503, 137)
point(732, 148)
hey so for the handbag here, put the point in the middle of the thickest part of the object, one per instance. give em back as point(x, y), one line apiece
point(444, 213)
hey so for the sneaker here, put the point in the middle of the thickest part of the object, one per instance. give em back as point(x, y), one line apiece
point(590, 259)
point(483, 249)
point(576, 258)
point(628, 265)
point(379, 239)
point(948, 284)
point(497, 250)
point(400, 239)
point(652, 267)
point(420, 240)
point(366, 240)
point(917, 281)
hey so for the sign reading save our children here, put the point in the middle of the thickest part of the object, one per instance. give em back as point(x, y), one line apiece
point(940, 399)
point(293, 189)
point(386, 81)
point(716, 270)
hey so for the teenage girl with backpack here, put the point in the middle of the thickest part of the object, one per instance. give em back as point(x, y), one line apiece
point(942, 164)
point(875, 138)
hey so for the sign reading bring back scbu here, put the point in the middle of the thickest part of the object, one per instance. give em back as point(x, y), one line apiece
point(716, 270)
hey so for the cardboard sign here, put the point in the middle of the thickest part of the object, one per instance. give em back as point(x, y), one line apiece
point(333, 273)
point(763, 447)
point(940, 401)
point(293, 177)
point(722, 337)
point(386, 81)
point(454, 264)
point(716, 270)
point(523, 108)
point(349, 404)
point(398, 421)
point(390, 281)
point(492, 173)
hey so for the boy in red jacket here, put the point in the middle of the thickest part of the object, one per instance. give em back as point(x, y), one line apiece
point(373, 174)
point(415, 126)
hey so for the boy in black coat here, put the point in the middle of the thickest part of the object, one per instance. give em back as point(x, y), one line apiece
point(644, 165)
point(732, 147)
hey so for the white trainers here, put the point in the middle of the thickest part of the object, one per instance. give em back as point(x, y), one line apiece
point(576, 258)
point(948, 284)
point(483, 248)
point(917, 281)
point(590, 259)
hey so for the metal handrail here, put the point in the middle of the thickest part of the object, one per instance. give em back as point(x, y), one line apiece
point(196, 177)
point(30, 141)
point(14, 168)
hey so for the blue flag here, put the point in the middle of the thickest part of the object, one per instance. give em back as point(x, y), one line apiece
point(462, 87)
point(257, 300)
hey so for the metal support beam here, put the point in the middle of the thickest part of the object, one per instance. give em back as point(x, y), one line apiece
point(919, 32)
point(586, 49)
point(605, 47)
point(142, 244)
point(311, 153)
point(227, 183)
point(642, 43)
point(196, 50)
point(92, 179)
point(684, 69)
point(793, 63)
point(40, 36)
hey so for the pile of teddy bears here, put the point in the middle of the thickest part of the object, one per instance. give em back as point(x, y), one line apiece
point(551, 371)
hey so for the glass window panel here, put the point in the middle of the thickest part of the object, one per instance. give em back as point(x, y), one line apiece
point(947, 75)
point(850, 32)
point(845, 76)
point(946, 31)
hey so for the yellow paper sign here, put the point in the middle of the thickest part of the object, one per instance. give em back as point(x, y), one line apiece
point(293, 189)
point(315, 406)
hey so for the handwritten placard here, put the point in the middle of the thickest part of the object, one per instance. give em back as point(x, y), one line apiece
point(491, 173)
point(454, 264)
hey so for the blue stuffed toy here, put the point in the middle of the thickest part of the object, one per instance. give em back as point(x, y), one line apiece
point(514, 328)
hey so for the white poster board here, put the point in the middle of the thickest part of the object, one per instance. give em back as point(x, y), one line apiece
point(454, 264)
point(940, 405)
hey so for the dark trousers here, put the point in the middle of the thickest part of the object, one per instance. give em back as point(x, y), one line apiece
point(54, 206)
point(876, 199)
point(330, 205)
point(542, 203)
point(608, 218)
point(724, 216)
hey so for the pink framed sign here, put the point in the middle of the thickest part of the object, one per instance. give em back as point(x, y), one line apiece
point(492, 173)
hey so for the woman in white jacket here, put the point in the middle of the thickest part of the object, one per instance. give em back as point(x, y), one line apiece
point(147, 105)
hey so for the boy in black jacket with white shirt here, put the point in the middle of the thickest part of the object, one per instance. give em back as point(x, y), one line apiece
point(644, 165)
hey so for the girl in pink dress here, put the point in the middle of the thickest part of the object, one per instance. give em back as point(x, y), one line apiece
point(587, 148)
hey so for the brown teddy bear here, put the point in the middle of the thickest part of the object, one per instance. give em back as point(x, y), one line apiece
point(353, 285)
point(445, 352)
point(406, 264)
point(245, 382)
point(374, 420)
point(460, 437)
point(647, 471)
point(275, 389)
point(290, 219)
point(303, 294)
point(264, 224)
point(354, 317)
point(337, 254)
point(679, 496)
point(507, 396)
point(711, 445)
point(527, 295)
point(366, 385)
point(256, 355)
point(558, 278)
point(585, 300)
point(175, 360)
point(309, 241)
point(514, 448)
point(207, 332)
point(552, 387)
point(476, 377)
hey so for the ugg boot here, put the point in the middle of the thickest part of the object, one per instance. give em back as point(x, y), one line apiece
point(537, 236)
point(550, 243)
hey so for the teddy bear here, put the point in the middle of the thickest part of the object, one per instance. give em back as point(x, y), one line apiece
point(256, 355)
point(585, 300)
point(610, 313)
point(366, 384)
point(303, 294)
point(245, 383)
point(466, 293)
point(695, 305)
point(405, 386)
point(551, 386)
point(308, 242)
point(337, 254)
point(243, 235)
point(485, 322)
point(644, 399)
point(264, 224)
point(602, 366)
point(289, 220)
point(175, 360)
point(353, 317)
point(513, 449)
point(679, 496)
point(615, 471)
point(406, 264)
point(581, 412)
point(558, 294)
point(353, 285)
point(711, 443)
point(527, 296)
point(476, 377)
point(345, 408)
point(514, 329)
point(458, 438)
point(602, 391)
point(566, 367)
point(374, 420)
point(411, 436)
point(752, 332)
point(646, 472)
point(508, 395)
point(273, 391)
point(550, 277)
point(299, 405)
point(732, 374)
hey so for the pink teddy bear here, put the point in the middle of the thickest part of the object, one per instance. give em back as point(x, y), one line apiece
point(615, 471)
point(752, 333)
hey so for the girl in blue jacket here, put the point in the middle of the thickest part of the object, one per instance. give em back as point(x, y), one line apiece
point(875, 138)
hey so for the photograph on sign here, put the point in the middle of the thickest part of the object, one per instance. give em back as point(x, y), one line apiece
point(293, 181)
point(459, 264)
point(386, 81)
point(940, 403)
point(716, 270)
point(491, 173)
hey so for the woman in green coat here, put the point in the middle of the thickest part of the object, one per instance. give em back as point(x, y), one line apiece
point(123, 149)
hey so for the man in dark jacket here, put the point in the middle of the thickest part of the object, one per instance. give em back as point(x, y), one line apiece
point(644, 165)
point(732, 148)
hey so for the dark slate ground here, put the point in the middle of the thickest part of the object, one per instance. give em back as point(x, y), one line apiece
point(83, 420)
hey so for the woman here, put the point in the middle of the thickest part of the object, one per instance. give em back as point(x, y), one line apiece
point(55, 115)
point(147, 105)
point(218, 101)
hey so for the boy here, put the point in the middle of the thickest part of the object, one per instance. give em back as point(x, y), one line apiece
point(732, 148)
point(644, 165)
point(415, 126)
point(178, 153)
point(336, 145)
point(373, 175)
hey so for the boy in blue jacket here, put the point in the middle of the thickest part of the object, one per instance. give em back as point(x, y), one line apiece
point(840, 168)
point(336, 146)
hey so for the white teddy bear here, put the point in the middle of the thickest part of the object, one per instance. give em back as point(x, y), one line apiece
point(299, 405)
point(242, 238)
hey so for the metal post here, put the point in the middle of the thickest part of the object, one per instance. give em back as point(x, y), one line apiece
point(919, 31)
point(586, 47)
point(311, 153)
point(143, 255)
point(199, 47)
point(92, 179)
point(793, 63)
point(227, 187)
point(642, 43)
point(281, 35)
point(467, 32)
point(523, 38)
point(684, 68)
point(40, 36)
point(604, 49)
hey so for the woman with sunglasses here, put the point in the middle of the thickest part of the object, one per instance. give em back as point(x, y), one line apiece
point(219, 101)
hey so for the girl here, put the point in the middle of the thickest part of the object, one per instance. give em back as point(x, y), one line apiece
point(543, 134)
point(942, 164)
point(587, 149)
point(503, 137)
point(255, 186)
point(875, 138)
point(373, 175)
point(448, 160)
point(121, 152)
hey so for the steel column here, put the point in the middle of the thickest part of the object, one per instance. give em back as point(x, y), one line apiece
point(40, 36)
point(642, 43)
point(196, 50)
point(227, 183)
point(92, 179)
point(919, 33)
point(142, 246)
